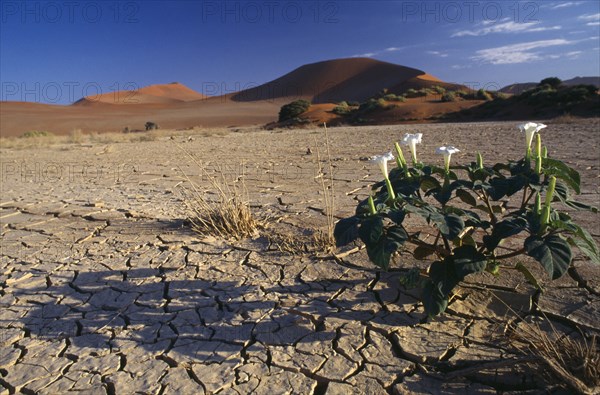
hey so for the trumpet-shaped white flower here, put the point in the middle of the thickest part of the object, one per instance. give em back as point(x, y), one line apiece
point(530, 129)
point(447, 151)
point(382, 161)
point(412, 140)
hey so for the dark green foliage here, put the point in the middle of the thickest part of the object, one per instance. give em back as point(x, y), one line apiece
point(293, 110)
point(553, 82)
point(469, 222)
point(36, 133)
point(449, 97)
point(482, 94)
point(151, 126)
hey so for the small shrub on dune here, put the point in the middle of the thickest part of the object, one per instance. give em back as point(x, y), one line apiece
point(151, 126)
point(36, 133)
point(482, 94)
point(293, 110)
point(449, 97)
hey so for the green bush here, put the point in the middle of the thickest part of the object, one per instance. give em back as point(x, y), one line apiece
point(449, 96)
point(353, 103)
point(151, 126)
point(482, 94)
point(341, 110)
point(293, 109)
point(554, 82)
point(36, 133)
point(439, 89)
point(412, 93)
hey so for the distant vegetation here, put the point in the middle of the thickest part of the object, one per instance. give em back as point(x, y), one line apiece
point(36, 133)
point(151, 126)
point(293, 110)
point(548, 99)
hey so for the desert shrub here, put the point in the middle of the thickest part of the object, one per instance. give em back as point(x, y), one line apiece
point(151, 126)
point(460, 93)
point(482, 94)
point(293, 110)
point(412, 93)
point(341, 110)
point(393, 97)
point(449, 96)
point(126, 129)
point(36, 133)
point(439, 89)
point(499, 95)
point(343, 104)
point(353, 103)
point(554, 82)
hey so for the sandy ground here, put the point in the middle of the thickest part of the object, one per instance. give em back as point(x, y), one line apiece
point(104, 290)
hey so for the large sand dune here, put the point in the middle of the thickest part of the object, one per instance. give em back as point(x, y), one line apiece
point(177, 106)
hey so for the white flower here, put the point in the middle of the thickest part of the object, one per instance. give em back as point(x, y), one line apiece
point(381, 161)
point(530, 129)
point(412, 140)
point(447, 151)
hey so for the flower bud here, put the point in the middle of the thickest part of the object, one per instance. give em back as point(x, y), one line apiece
point(479, 160)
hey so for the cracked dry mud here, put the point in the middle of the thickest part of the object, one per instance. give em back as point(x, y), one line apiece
point(104, 290)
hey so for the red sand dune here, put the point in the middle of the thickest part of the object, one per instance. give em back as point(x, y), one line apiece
point(355, 79)
point(153, 94)
point(176, 106)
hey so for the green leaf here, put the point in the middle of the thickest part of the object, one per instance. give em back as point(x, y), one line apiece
point(434, 299)
point(528, 276)
point(467, 260)
point(551, 251)
point(411, 279)
point(429, 183)
point(466, 197)
point(381, 251)
point(502, 230)
point(444, 273)
point(371, 229)
point(346, 231)
point(450, 225)
point(560, 170)
point(421, 253)
point(586, 244)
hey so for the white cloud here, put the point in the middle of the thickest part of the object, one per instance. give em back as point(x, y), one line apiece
point(438, 53)
point(593, 24)
point(589, 17)
point(517, 53)
point(567, 4)
point(364, 55)
point(506, 27)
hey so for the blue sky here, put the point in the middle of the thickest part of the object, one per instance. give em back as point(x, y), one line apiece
point(56, 52)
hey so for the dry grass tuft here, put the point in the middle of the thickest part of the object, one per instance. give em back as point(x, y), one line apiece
point(223, 210)
point(324, 240)
point(572, 361)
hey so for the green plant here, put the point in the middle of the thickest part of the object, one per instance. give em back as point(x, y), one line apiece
point(36, 133)
point(469, 220)
point(439, 89)
point(151, 126)
point(449, 97)
point(554, 82)
point(293, 110)
point(482, 94)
